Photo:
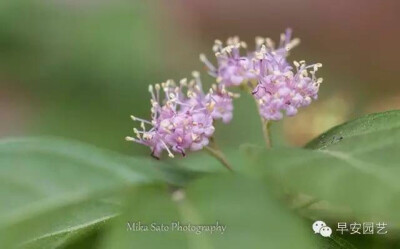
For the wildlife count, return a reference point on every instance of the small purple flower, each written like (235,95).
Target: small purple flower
(272,58)
(233,69)
(223,103)
(218,100)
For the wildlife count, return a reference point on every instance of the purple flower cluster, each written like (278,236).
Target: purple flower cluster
(286,91)
(277,86)
(182,119)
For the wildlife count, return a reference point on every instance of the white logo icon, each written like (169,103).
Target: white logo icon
(321,228)
(318,225)
(325,231)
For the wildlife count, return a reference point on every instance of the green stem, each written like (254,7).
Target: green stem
(219,156)
(264,123)
(265,129)
(266,132)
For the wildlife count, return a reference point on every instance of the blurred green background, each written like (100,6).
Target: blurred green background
(78,69)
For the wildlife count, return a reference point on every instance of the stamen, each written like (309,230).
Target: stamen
(195,74)
(195,137)
(183,82)
(130,139)
(166,147)
(293,43)
(282,40)
(139,119)
(218,42)
(270,43)
(259,41)
(204,59)
(210,106)
(152,92)
(234,95)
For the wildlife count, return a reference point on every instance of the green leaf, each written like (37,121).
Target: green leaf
(65,225)
(334,242)
(244,206)
(368,124)
(357,175)
(52,189)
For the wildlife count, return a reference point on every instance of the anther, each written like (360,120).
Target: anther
(130,139)
(195,74)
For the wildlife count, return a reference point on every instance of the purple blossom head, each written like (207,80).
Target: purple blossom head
(180,120)
(232,69)
(183,118)
(280,88)
(286,91)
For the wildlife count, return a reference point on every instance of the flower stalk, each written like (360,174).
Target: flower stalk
(219,156)
(266,132)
